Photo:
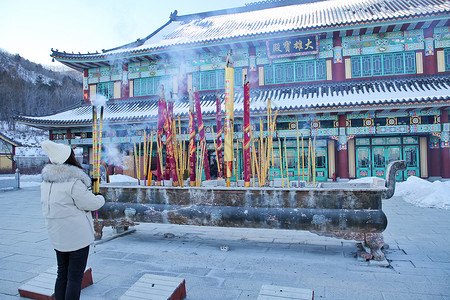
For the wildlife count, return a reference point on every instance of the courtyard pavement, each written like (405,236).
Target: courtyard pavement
(418,256)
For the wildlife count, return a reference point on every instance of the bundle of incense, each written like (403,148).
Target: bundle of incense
(149,177)
(159,147)
(246,142)
(97,130)
(255,158)
(175,148)
(136,162)
(201,132)
(314,162)
(303,161)
(219,138)
(192,161)
(200,160)
(252,150)
(286,161)
(180,154)
(94,149)
(170,155)
(298,155)
(217,154)
(237,161)
(281,162)
(309,159)
(145,156)
(261,152)
(162,112)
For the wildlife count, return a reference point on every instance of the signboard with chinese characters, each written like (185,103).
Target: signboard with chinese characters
(293,46)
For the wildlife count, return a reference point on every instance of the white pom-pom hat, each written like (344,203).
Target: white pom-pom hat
(58,153)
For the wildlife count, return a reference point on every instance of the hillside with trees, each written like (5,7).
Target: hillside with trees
(30,89)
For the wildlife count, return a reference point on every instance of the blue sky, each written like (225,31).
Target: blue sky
(32,27)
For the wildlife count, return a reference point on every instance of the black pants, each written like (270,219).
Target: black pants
(71,266)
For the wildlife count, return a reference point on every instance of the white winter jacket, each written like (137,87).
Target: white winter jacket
(67,204)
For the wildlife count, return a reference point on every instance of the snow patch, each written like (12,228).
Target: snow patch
(423,193)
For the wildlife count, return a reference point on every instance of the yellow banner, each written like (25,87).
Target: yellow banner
(229,114)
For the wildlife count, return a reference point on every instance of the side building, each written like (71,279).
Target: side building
(368,80)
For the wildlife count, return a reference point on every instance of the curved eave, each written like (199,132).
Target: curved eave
(406,103)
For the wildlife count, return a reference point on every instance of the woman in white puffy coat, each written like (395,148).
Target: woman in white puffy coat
(67,203)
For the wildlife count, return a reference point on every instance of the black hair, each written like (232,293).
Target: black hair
(72,160)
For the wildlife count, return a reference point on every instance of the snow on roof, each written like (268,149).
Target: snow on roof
(399,91)
(211,27)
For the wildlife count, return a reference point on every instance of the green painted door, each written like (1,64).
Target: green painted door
(379,161)
(411,155)
(394,153)
(321,164)
(363,162)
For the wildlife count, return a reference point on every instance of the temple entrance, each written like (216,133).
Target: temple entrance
(374,154)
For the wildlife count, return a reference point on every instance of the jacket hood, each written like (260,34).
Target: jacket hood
(64,173)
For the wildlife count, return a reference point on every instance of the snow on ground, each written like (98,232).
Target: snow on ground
(423,193)
(121,178)
(420,192)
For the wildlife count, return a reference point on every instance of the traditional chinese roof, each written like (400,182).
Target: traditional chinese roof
(247,24)
(9,140)
(399,93)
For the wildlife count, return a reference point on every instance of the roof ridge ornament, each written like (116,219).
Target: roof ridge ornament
(173,15)
(229,60)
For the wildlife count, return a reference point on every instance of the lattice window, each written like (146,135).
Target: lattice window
(289,72)
(447,59)
(204,81)
(238,77)
(383,64)
(310,71)
(106,89)
(295,72)
(221,79)
(321,70)
(398,63)
(150,85)
(356,66)
(268,74)
(388,66)
(279,73)
(377,65)
(410,63)
(366,66)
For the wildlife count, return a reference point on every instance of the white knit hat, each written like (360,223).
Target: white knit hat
(58,153)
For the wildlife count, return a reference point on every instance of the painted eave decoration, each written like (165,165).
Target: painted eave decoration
(353,95)
(244,23)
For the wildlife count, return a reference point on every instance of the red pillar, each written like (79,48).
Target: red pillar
(445,153)
(338,65)
(342,150)
(434,164)
(429,62)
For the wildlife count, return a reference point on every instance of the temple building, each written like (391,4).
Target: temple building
(368,80)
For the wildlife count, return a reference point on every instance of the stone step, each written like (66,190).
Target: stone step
(156,287)
(275,292)
(42,287)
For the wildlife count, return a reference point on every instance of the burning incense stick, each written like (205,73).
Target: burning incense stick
(303,161)
(298,156)
(192,152)
(150,175)
(281,162)
(219,138)
(286,161)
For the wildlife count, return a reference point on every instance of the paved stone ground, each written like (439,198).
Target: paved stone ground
(419,257)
